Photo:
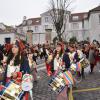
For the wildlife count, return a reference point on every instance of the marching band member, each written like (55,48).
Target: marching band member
(16,63)
(58,58)
(58,63)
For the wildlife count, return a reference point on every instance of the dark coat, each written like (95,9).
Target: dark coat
(66,60)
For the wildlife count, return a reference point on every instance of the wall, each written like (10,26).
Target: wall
(6,35)
(94,26)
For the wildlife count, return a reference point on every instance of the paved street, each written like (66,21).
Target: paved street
(41,91)
(90,82)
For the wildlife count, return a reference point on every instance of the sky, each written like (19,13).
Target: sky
(12,11)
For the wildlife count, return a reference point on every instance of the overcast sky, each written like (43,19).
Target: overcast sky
(12,11)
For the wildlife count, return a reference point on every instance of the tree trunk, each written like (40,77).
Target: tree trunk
(59,37)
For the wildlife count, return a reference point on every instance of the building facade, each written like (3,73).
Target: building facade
(94,24)
(8,34)
(83,26)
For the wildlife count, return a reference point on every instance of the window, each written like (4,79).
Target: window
(85,16)
(46,19)
(75,25)
(7,40)
(29,22)
(24,22)
(21,29)
(36,28)
(46,26)
(75,17)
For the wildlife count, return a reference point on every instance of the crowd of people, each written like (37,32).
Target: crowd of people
(19,58)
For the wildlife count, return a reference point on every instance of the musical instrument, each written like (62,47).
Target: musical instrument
(27,84)
(2,71)
(11,91)
(73,67)
(57,83)
(84,62)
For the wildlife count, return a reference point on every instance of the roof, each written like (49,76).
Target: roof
(31,21)
(95,9)
(75,17)
(36,21)
(8,29)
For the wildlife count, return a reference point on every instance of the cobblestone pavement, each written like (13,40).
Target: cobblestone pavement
(90,81)
(41,91)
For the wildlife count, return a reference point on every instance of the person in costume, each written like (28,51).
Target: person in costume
(58,63)
(49,62)
(32,65)
(58,55)
(17,64)
(92,57)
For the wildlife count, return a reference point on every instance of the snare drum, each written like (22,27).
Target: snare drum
(27,84)
(57,83)
(84,62)
(12,91)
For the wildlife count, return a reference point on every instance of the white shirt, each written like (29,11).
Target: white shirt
(12,69)
(57,63)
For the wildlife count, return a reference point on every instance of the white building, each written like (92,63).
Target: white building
(33,24)
(94,24)
(6,37)
(76,28)
(8,34)
(83,26)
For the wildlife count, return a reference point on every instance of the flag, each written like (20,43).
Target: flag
(68,78)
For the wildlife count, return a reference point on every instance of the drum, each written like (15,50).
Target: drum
(27,84)
(73,67)
(12,91)
(57,83)
(84,62)
(2,71)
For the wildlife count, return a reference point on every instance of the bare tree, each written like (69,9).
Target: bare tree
(58,12)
